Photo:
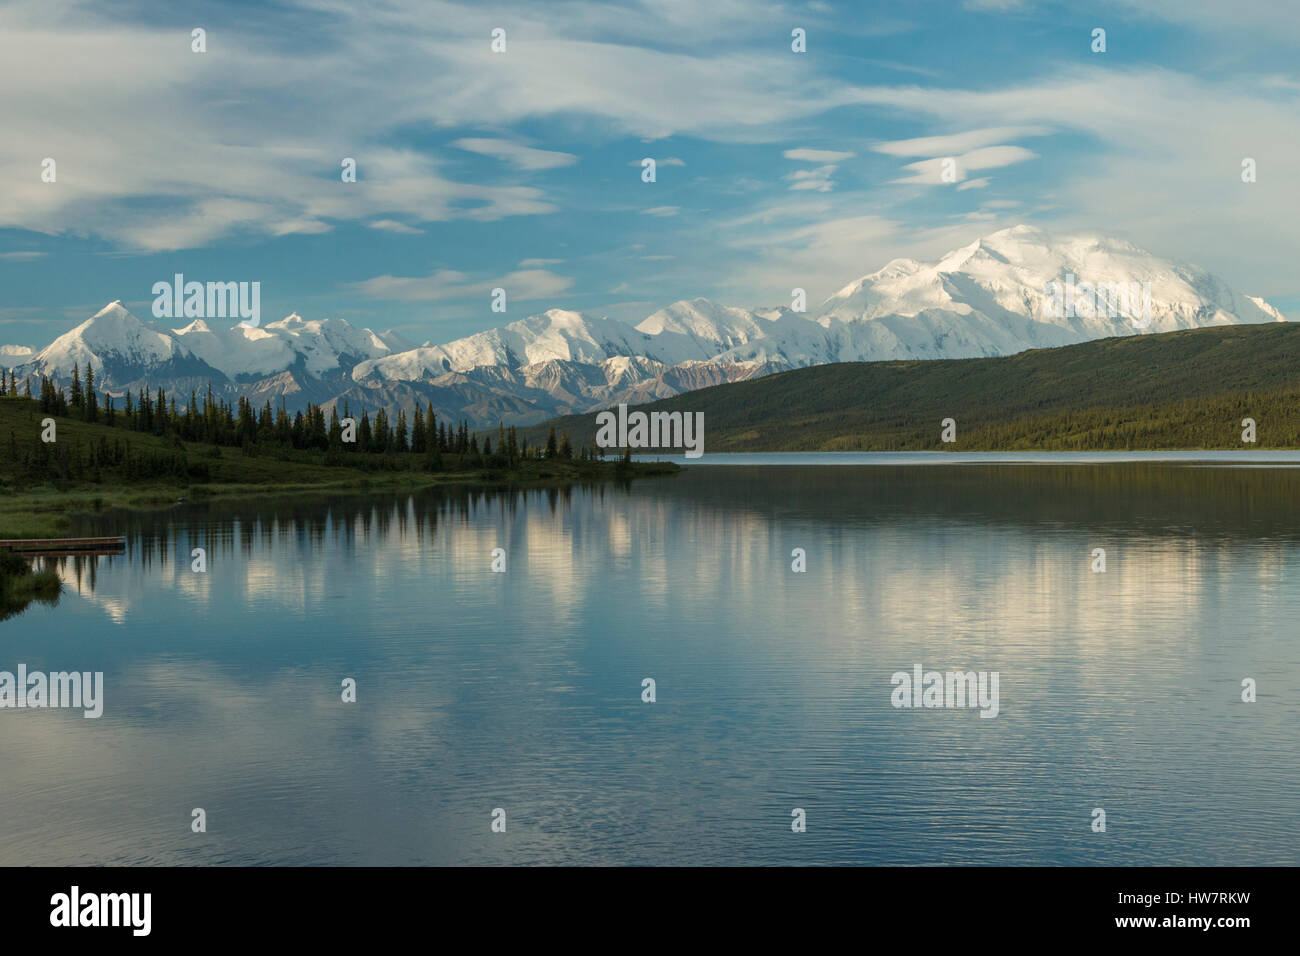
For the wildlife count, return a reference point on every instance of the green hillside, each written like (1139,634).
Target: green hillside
(1177,390)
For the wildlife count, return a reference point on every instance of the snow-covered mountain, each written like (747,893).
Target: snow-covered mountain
(320,347)
(992,297)
(129,353)
(121,347)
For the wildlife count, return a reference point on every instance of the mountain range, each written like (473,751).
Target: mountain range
(989,298)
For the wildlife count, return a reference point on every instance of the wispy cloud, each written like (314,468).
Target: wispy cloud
(445,284)
(524,157)
(930,172)
(817,155)
(954,143)
(817,180)
(392,225)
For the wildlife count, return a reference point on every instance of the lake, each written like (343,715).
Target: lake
(522,690)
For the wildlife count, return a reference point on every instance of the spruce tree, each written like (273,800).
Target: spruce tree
(92,401)
(417,430)
(363,432)
(399,443)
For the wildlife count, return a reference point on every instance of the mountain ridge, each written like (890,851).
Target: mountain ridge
(987,298)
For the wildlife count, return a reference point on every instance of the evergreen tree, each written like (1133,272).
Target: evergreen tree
(551,448)
(363,433)
(92,400)
(283,427)
(400,443)
(417,431)
(336,430)
(76,386)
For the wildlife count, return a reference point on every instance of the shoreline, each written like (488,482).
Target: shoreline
(1262,458)
(50,512)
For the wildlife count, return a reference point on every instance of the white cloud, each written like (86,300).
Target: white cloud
(392,225)
(520,285)
(817,180)
(929,172)
(661,211)
(216,165)
(955,143)
(525,157)
(816,155)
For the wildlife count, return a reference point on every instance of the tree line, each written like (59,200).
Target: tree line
(210,419)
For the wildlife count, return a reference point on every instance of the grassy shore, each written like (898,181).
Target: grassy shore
(42,503)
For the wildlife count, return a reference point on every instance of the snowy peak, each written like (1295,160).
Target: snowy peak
(127,349)
(557,334)
(111,338)
(1009,278)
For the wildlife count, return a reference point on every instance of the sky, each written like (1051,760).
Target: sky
(522,169)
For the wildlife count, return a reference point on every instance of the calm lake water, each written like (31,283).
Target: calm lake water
(523,690)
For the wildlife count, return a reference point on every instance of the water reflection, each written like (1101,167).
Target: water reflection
(522,689)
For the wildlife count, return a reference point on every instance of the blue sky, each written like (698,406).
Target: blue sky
(522,169)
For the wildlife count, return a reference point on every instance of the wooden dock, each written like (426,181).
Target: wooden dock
(64,545)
